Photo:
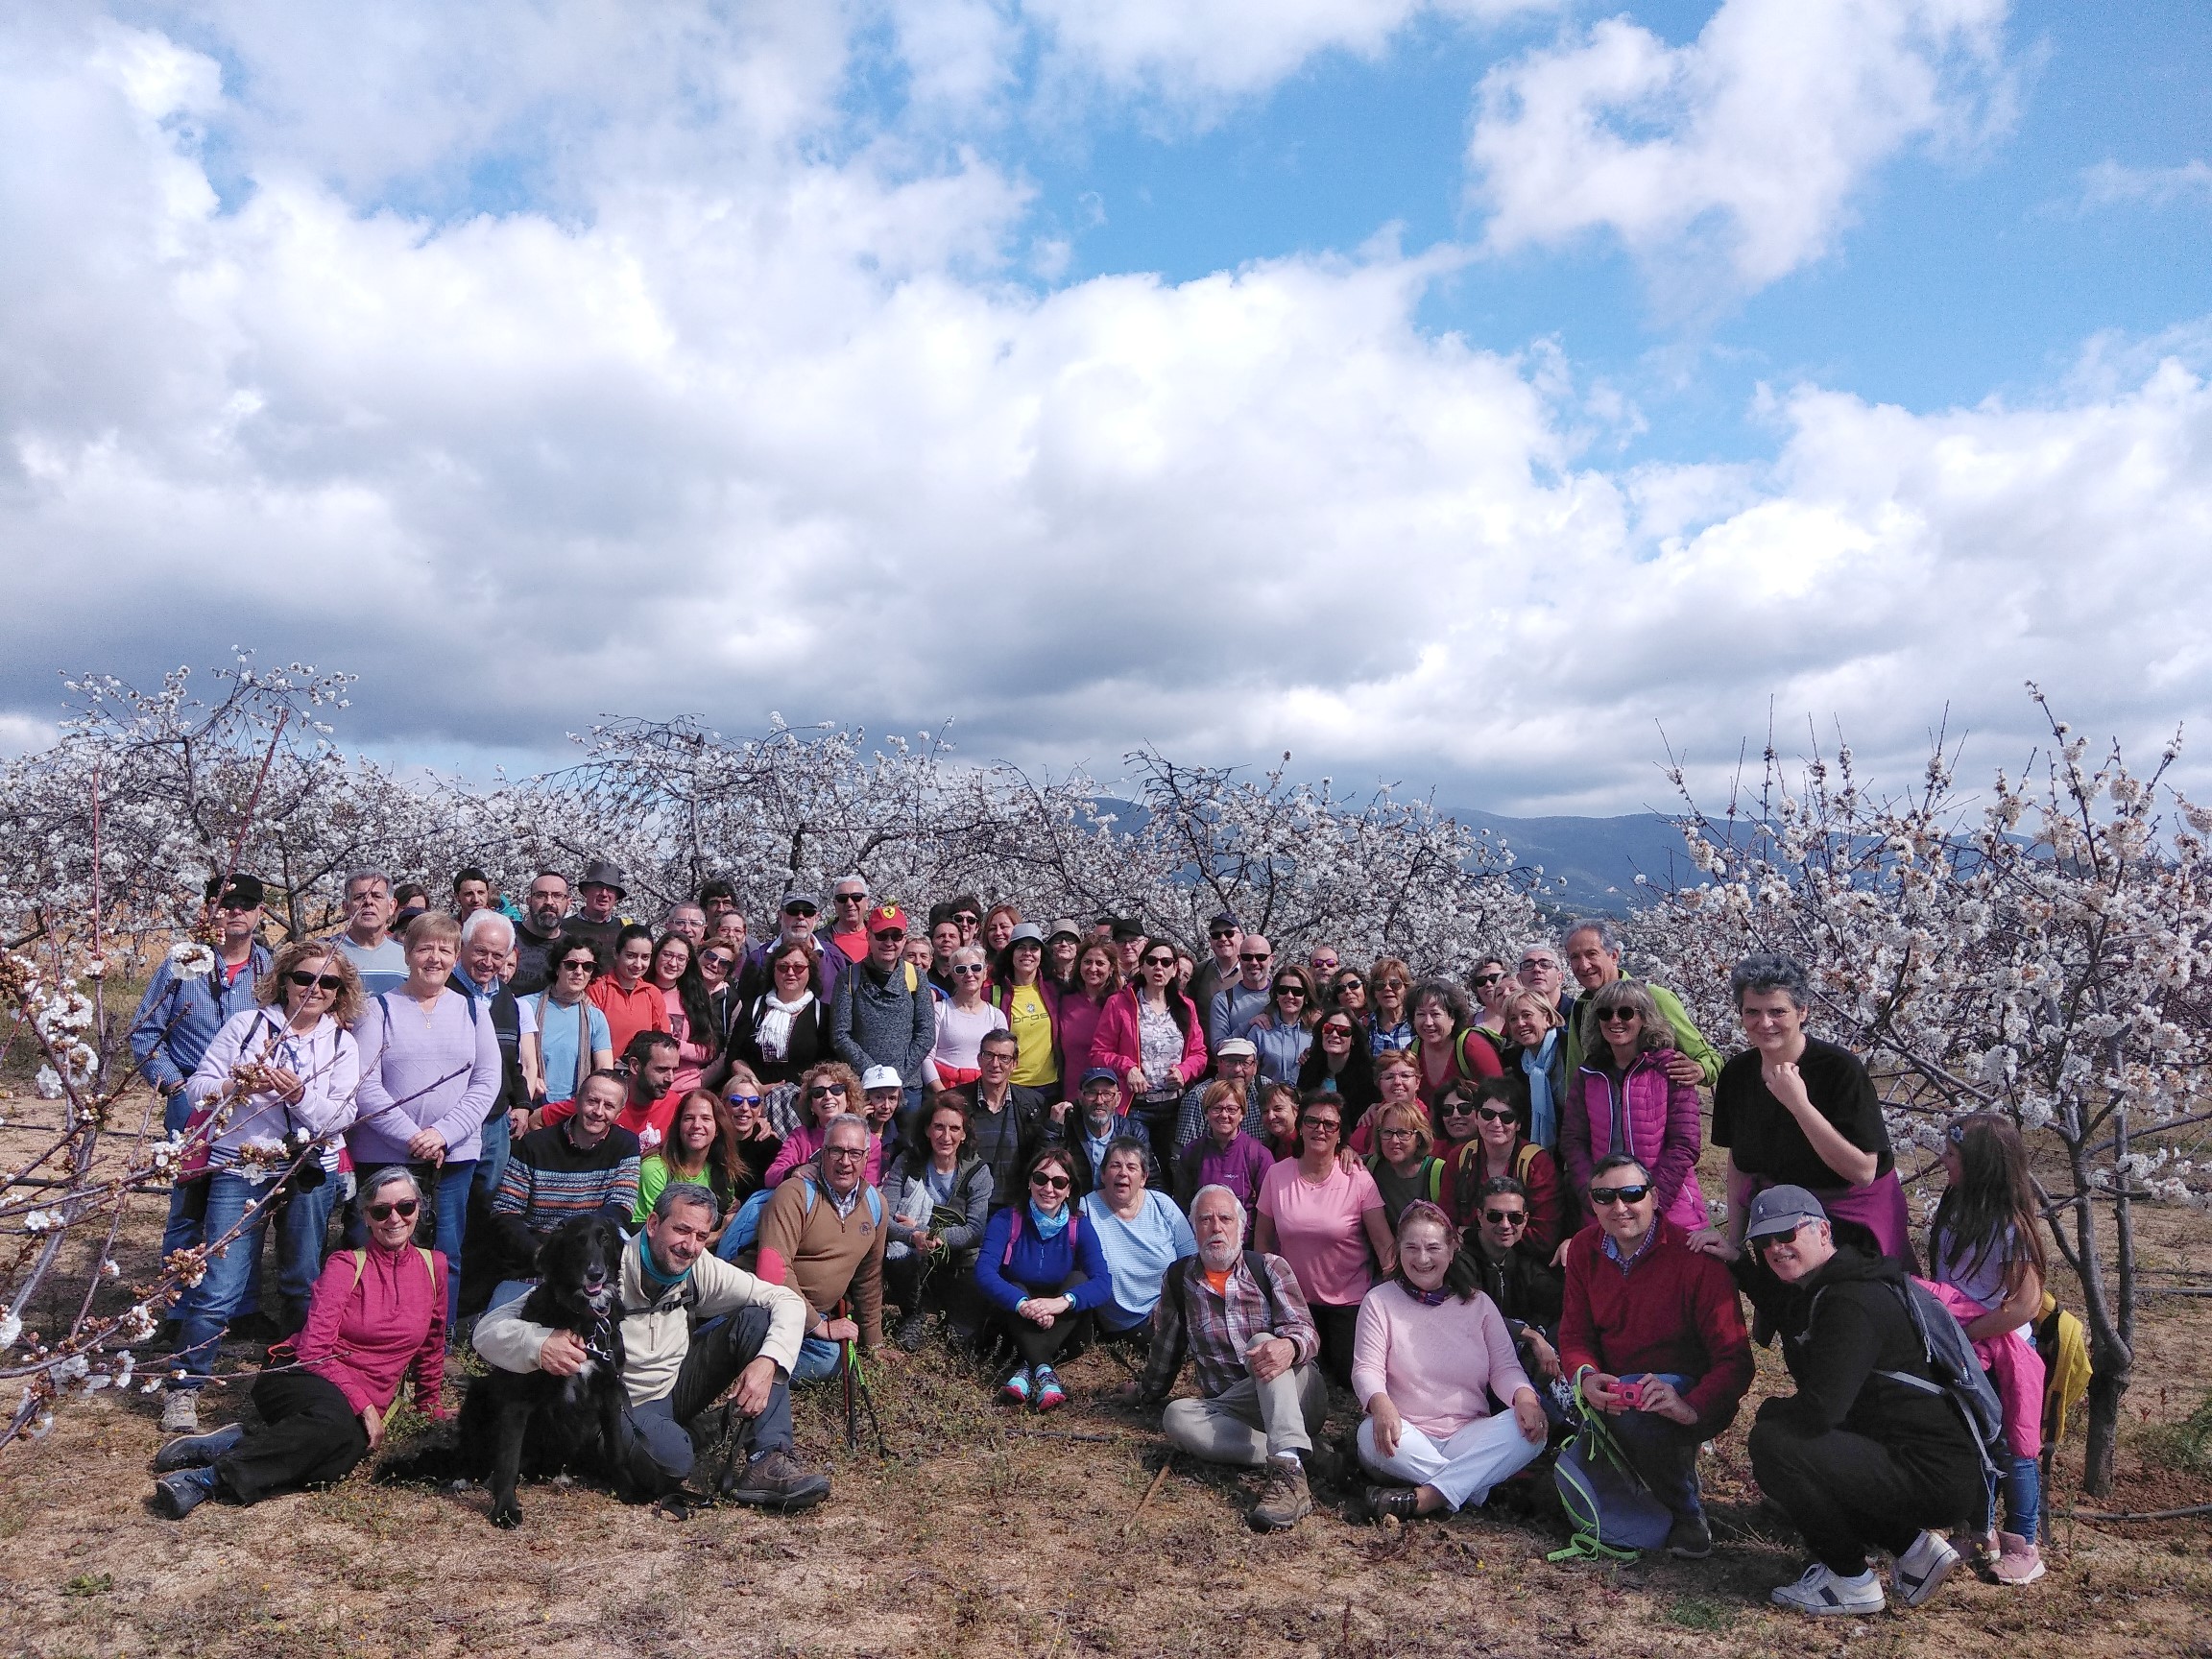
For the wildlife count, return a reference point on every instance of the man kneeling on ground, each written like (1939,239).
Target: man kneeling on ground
(748,1334)
(1243,1321)
(1869,1451)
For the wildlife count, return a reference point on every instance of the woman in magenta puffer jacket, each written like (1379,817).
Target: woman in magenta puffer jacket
(1622,1096)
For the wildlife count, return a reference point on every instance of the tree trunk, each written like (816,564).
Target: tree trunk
(2109,1374)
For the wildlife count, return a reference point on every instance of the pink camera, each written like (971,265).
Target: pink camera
(1629,1394)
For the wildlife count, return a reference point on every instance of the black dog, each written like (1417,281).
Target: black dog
(526,1422)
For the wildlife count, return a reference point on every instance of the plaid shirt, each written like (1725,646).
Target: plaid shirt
(1217,1330)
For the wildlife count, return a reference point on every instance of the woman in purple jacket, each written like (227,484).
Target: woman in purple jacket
(1622,1100)
(429,1073)
(1041,1268)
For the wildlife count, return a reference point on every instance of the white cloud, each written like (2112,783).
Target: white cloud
(2109,183)
(781,431)
(1737,155)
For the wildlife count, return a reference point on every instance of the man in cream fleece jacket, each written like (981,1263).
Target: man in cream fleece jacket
(748,1334)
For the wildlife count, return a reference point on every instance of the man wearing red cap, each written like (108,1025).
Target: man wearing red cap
(881,1012)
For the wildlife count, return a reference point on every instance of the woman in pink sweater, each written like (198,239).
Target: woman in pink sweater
(1428,1352)
(378,1316)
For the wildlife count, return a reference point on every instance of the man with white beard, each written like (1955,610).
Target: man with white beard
(1241,1317)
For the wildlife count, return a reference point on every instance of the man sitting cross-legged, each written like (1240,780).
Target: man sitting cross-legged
(1242,1321)
(748,1334)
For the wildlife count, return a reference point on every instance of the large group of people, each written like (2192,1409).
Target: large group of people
(1472,1211)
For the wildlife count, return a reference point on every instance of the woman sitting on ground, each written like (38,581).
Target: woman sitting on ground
(378,1315)
(1041,1267)
(1141,1232)
(757,1144)
(1431,1350)
(701,1151)
(938,1198)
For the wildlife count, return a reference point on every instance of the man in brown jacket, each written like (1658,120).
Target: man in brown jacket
(824,1233)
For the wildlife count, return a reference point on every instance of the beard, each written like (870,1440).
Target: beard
(1220,1257)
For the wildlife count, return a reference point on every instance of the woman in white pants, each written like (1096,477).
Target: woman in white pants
(1430,1350)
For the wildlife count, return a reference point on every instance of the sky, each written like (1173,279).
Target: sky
(1480,396)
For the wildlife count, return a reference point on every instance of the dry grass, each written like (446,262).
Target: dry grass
(992,1533)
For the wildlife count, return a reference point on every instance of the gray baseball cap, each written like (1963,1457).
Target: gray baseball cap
(1781,1210)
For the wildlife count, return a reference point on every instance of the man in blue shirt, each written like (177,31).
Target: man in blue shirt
(366,942)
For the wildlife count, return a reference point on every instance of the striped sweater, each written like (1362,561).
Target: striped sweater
(550,1181)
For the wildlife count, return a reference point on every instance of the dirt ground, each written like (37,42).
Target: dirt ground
(995,1532)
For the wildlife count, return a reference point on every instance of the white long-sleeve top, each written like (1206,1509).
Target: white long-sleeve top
(326,1061)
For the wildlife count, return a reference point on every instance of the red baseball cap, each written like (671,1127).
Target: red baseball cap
(886,917)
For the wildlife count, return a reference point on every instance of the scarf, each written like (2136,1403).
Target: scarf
(1435,1298)
(656,1281)
(1046,1229)
(1543,1110)
(774,1032)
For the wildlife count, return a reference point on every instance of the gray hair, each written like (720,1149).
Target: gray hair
(1601,925)
(360,876)
(975,953)
(843,1118)
(687,1192)
(487,917)
(854,877)
(1543,947)
(1769,970)
(1235,1202)
(391,1175)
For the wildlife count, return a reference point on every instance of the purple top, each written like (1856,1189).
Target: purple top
(1240,1167)
(439,1071)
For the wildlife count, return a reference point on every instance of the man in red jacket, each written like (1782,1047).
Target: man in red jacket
(1664,1336)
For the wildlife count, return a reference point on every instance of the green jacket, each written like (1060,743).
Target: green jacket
(1688,1039)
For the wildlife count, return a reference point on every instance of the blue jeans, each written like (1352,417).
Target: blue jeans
(448,1203)
(817,1359)
(744,1227)
(187,1199)
(510,1290)
(208,1305)
(301,1232)
(499,1142)
(1665,1452)
(2021,1480)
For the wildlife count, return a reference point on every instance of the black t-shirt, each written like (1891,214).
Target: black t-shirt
(1764,1140)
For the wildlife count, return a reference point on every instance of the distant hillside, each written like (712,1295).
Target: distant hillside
(1598,859)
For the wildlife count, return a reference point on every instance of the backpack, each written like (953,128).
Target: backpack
(1613,1511)
(1171,1284)
(1435,1171)
(1948,1353)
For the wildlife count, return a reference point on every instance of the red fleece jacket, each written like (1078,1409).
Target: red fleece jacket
(1675,1310)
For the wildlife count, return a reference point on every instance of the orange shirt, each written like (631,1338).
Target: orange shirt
(628,1012)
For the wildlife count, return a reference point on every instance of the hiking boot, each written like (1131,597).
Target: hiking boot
(1823,1594)
(175,1495)
(2018,1561)
(1689,1538)
(180,1411)
(1403,1502)
(1049,1393)
(912,1330)
(1016,1387)
(1286,1500)
(197,1450)
(777,1480)
(1921,1570)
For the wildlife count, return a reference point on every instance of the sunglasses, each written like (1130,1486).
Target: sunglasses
(305,980)
(801,910)
(1767,1240)
(404,1208)
(1482,980)
(1455,1109)
(898,935)
(1505,1217)
(716,959)
(851,898)
(967,918)
(1050,1183)
(1254,955)
(1336,1030)
(824,1090)
(1389,984)
(1600,1195)
(747,1100)
(1619,1016)
(1496,1114)
(578,965)
(971,968)
(1227,933)
(240,905)
(1325,964)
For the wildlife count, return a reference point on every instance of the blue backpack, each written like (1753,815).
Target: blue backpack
(806,1180)
(1613,1513)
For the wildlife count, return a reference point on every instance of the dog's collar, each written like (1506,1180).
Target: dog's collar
(600,1342)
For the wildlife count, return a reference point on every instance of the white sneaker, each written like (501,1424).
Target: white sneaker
(180,1411)
(1921,1570)
(1821,1594)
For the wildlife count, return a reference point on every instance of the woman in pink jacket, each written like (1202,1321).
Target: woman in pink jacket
(1622,1100)
(378,1316)
(1151,1036)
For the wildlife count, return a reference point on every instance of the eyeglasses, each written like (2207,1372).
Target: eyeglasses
(969,968)
(1050,1183)
(1618,1017)
(1496,1114)
(304,980)
(404,1208)
(1619,1194)
(1482,980)
(1767,1240)
(1254,955)
(1531,964)
(1397,1131)
(844,1151)
(1505,1217)
(1320,1126)
(745,1100)
(793,963)
(824,1090)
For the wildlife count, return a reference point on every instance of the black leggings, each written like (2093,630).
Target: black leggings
(1038,1344)
(1336,1326)
(310,1438)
